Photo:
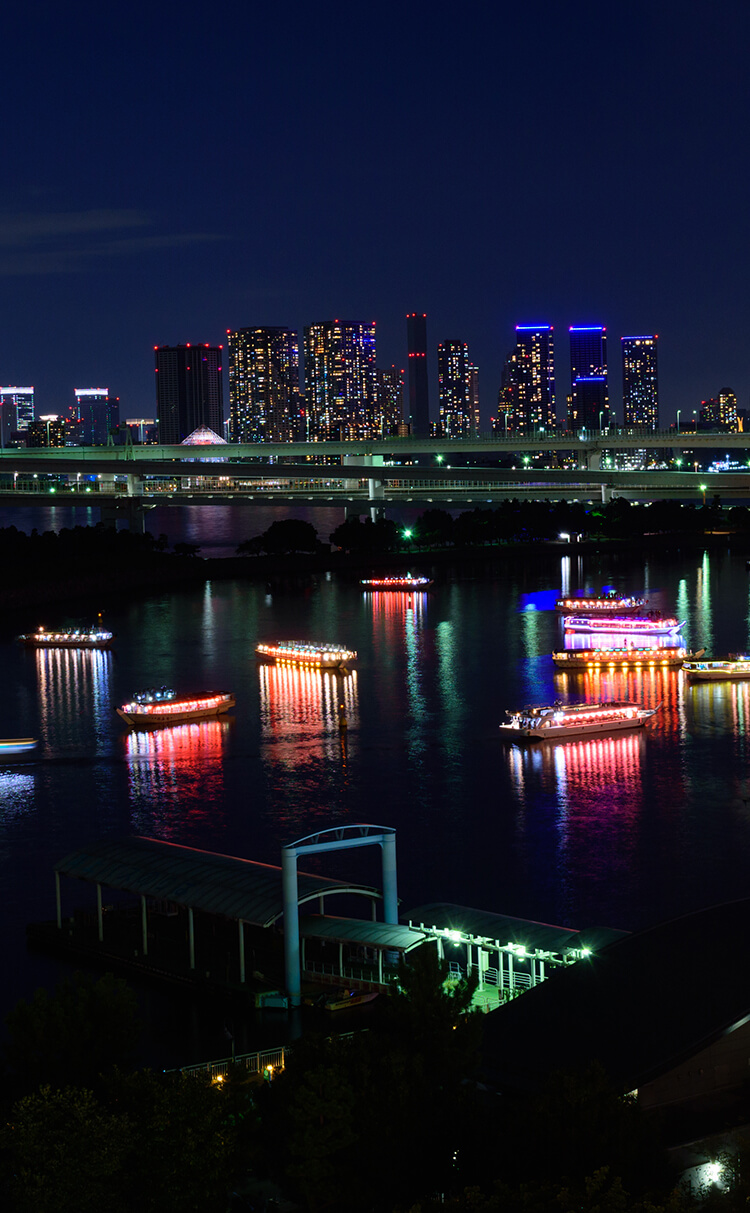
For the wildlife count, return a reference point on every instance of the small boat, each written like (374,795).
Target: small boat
(70,638)
(647,625)
(722,669)
(404,584)
(561,720)
(601,604)
(160,707)
(588,659)
(299,652)
(17,747)
(343,1000)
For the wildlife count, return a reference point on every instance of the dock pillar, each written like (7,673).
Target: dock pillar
(58,903)
(99,919)
(144,925)
(241,926)
(191,937)
(390,892)
(291,926)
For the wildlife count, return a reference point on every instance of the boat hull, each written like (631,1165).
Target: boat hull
(605,607)
(33,642)
(717,671)
(560,733)
(162,718)
(587,659)
(397,586)
(17,748)
(624,627)
(308,656)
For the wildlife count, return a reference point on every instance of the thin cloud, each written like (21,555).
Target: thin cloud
(68,242)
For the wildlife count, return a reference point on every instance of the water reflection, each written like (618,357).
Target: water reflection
(300,711)
(176,774)
(649,686)
(16,795)
(592,765)
(719,706)
(74,696)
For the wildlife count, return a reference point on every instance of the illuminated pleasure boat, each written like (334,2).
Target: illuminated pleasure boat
(562,720)
(647,625)
(17,747)
(300,652)
(722,669)
(601,604)
(161,706)
(406,583)
(646,658)
(70,638)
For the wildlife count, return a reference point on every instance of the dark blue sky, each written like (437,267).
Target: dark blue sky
(174,170)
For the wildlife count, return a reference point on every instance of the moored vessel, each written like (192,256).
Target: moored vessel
(161,706)
(593,658)
(601,604)
(721,669)
(343,1000)
(406,583)
(300,652)
(68,638)
(559,720)
(647,625)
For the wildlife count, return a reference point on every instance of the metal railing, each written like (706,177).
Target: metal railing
(256,1063)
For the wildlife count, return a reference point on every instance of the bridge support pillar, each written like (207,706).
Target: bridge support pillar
(130,511)
(606,493)
(593,459)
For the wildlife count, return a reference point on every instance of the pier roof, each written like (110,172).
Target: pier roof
(359,930)
(217,884)
(484,924)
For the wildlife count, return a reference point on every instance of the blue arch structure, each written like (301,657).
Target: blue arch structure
(338,838)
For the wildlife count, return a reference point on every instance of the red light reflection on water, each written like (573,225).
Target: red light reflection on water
(300,711)
(647,686)
(176,774)
(394,611)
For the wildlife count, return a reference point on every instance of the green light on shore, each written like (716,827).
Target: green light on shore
(406,534)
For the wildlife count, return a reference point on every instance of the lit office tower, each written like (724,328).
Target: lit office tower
(340,385)
(16,412)
(476,420)
(640,382)
(454,389)
(189,390)
(389,409)
(419,400)
(96,415)
(728,410)
(589,399)
(263,384)
(531,374)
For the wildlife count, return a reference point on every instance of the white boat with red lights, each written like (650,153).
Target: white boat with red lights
(561,720)
(404,584)
(160,707)
(300,652)
(722,669)
(601,604)
(647,625)
(68,638)
(645,658)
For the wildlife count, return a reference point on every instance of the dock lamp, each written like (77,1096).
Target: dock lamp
(439,458)
(703,488)
(564,535)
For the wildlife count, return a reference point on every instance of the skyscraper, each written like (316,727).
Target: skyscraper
(589,397)
(263,384)
(640,382)
(96,414)
(476,420)
(340,385)
(454,389)
(389,409)
(419,400)
(528,385)
(16,412)
(189,390)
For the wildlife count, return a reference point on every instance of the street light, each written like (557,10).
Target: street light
(601,414)
(678,420)
(703,488)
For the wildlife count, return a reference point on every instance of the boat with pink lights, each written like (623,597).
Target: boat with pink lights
(403,584)
(300,652)
(639,658)
(722,669)
(68,638)
(160,707)
(647,625)
(601,604)
(561,720)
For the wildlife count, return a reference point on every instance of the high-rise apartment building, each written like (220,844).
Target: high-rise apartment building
(95,415)
(454,390)
(16,413)
(389,408)
(640,382)
(527,392)
(589,396)
(263,384)
(720,412)
(47,430)
(419,399)
(476,420)
(340,384)
(189,390)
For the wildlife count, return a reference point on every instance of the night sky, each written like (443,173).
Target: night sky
(174,170)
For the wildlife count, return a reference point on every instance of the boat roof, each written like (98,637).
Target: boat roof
(204,880)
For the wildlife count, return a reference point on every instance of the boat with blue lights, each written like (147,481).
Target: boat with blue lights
(647,625)
(400,584)
(561,720)
(15,749)
(68,638)
(721,669)
(301,652)
(601,604)
(161,706)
